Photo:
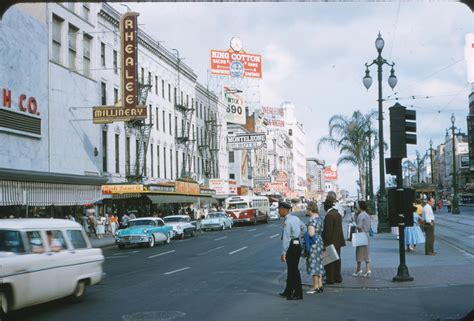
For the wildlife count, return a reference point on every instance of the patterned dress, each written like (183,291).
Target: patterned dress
(314,263)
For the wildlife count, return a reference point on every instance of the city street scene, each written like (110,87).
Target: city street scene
(236,161)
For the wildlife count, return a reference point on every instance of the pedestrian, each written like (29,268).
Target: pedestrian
(125,219)
(314,262)
(332,234)
(440,204)
(132,216)
(363,251)
(113,223)
(429,219)
(85,224)
(413,234)
(100,227)
(93,224)
(293,228)
(448,205)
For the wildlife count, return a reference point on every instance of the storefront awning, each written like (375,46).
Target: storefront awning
(167,198)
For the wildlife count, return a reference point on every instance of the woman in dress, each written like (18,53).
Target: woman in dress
(363,252)
(413,234)
(314,263)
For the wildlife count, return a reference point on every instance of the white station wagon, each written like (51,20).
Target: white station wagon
(43,260)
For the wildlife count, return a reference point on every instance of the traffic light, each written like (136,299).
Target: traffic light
(400,206)
(402,130)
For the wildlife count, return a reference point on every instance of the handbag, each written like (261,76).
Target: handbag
(351,229)
(360,239)
(329,255)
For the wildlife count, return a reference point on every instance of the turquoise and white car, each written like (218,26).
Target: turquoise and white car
(216,221)
(144,231)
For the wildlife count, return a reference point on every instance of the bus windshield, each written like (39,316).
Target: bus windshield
(237,206)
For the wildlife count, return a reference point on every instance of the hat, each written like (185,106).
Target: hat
(284,205)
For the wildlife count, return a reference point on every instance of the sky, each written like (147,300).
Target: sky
(314,54)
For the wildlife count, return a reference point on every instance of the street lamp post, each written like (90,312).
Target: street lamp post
(392,81)
(455,204)
(370,177)
(431,160)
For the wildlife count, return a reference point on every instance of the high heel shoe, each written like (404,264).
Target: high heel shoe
(356,274)
(367,274)
(320,290)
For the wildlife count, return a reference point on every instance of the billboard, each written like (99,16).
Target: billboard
(130,108)
(246,141)
(237,64)
(330,173)
(223,186)
(235,106)
(274,116)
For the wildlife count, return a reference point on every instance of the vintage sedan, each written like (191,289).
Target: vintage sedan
(216,221)
(181,224)
(144,231)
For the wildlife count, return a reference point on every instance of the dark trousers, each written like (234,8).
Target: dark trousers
(429,244)
(293,279)
(333,270)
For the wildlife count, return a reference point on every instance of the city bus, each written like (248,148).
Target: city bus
(248,209)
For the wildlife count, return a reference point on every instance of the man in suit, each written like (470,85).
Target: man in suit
(332,234)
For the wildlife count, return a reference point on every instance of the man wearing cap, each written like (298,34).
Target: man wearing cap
(332,234)
(293,228)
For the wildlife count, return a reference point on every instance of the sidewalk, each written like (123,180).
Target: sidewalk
(107,240)
(449,267)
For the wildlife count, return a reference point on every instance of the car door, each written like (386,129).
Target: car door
(64,270)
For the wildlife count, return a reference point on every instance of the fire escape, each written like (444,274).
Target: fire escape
(209,148)
(142,133)
(183,138)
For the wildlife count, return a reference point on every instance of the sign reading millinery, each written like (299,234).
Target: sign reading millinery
(236,64)
(246,141)
(130,108)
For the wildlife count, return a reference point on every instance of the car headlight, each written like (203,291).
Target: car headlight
(145,231)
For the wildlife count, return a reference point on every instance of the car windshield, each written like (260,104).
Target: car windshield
(175,219)
(141,222)
(236,206)
(10,241)
(215,215)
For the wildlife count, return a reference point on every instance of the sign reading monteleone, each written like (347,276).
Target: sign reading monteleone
(130,108)
(246,141)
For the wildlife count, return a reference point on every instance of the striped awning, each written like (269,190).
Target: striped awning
(47,194)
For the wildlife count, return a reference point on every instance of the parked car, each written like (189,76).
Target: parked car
(144,231)
(43,260)
(216,221)
(181,224)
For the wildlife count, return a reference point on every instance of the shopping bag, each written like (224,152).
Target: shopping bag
(351,229)
(360,239)
(329,255)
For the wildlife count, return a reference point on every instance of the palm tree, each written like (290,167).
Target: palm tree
(350,135)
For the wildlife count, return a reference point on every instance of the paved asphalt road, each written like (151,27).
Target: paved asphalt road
(235,275)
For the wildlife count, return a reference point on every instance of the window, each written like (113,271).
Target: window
(169,118)
(115,62)
(77,239)
(164,161)
(158,161)
(86,10)
(56,241)
(175,96)
(169,92)
(187,100)
(151,159)
(199,165)
(127,155)
(197,135)
(193,133)
(164,118)
(175,126)
(35,241)
(145,172)
(102,54)
(156,85)
(149,78)
(150,114)
(116,95)
(157,119)
(86,54)
(104,150)
(103,93)
(143,76)
(57,39)
(181,100)
(163,89)
(200,110)
(10,241)
(194,163)
(231,157)
(171,163)
(73,31)
(177,164)
(117,153)
(232,176)
(137,147)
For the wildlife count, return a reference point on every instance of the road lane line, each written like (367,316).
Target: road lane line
(211,250)
(179,270)
(252,229)
(116,257)
(150,257)
(135,252)
(274,235)
(220,238)
(258,234)
(242,248)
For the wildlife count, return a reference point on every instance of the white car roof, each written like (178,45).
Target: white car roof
(146,218)
(34,223)
(177,216)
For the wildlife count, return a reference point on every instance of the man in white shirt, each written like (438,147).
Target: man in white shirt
(429,219)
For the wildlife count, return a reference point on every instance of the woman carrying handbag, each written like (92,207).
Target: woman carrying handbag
(363,252)
(314,263)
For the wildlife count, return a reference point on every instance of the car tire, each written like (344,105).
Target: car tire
(3,306)
(79,291)
(151,242)
(223,227)
(182,236)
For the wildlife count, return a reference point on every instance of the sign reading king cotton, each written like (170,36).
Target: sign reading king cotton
(246,141)
(237,64)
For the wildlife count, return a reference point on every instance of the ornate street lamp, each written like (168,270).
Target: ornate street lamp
(392,81)
(455,203)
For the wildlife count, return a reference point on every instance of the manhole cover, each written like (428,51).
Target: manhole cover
(153,316)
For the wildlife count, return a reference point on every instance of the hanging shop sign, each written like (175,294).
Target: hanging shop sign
(246,141)
(232,186)
(130,108)
(330,173)
(464,161)
(235,106)
(274,116)
(237,64)
(119,189)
